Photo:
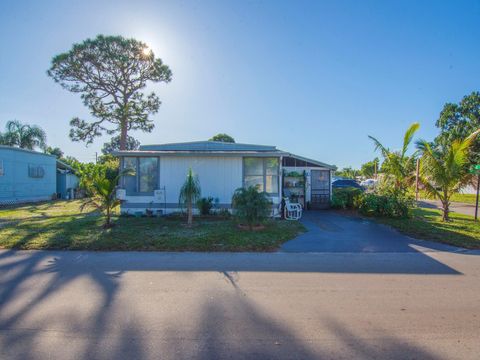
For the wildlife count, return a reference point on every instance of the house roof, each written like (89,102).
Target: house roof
(208,146)
(13,148)
(214,148)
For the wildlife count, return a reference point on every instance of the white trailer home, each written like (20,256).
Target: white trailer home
(160,171)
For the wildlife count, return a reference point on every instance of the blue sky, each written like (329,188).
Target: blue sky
(314,78)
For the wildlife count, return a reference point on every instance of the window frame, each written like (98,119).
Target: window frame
(264,173)
(36,171)
(136,192)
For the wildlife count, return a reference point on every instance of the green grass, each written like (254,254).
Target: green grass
(61,225)
(427,224)
(463,198)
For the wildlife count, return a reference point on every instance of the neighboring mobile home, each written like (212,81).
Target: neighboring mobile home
(160,171)
(26,175)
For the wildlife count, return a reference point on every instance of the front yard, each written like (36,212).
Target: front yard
(61,225)
(426,224)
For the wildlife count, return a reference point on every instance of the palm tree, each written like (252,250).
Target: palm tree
(397,165)
(444,168)
(189,194)
(23,135)
(102,194)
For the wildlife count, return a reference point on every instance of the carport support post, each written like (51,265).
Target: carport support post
(476,202)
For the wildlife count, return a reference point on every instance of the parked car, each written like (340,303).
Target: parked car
(369,183)
(346,183)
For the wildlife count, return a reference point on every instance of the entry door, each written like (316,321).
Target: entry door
(320,189)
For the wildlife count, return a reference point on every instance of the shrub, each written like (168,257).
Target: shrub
(204,205)
(383,205)
(344,198)
(251,206)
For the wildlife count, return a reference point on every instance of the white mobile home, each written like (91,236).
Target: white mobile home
(160,171)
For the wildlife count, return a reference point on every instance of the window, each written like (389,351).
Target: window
(261,173)
(146,174)
(2,171)
(35,171)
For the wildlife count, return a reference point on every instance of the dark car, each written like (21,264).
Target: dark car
(346,183)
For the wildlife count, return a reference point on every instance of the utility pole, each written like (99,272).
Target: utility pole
(96,157)
(416,179)
(476,201)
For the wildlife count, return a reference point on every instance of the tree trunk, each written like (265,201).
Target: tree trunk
(446,210)
(107,221)
(190,213)
(123,136)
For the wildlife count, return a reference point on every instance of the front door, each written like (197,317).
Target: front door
(320,189)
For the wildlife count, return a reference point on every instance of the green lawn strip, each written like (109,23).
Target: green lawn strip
(462,198)
(46,226)
(427,224)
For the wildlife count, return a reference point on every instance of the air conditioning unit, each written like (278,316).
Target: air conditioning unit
(121,194)
(159,195)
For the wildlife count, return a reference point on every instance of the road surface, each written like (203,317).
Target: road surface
(132,305)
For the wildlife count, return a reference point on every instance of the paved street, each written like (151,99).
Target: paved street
(461,208)
(85,305)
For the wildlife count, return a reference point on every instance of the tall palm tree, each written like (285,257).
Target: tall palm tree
(189,194)
(444,169)
(23,135)
(397,165)
(102,189)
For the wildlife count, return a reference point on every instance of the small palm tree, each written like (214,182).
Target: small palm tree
(251,206)
(102,194)
(397,165)
(444,168)
(189,194)
(23,135)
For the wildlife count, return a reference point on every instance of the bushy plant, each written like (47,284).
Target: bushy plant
(393,206)
(205,205)
(344,198)
(251,206)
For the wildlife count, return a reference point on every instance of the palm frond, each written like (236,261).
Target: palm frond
(407,138)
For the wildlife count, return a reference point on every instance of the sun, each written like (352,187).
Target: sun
(147,51)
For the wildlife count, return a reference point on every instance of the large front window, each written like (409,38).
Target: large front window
(146,174)
(261,173)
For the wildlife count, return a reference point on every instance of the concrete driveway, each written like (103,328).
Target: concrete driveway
(329,231)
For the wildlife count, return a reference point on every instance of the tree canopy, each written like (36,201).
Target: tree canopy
(110,73)
(222,138)
(54,151)
(23,136)
(458,121)
(114,144)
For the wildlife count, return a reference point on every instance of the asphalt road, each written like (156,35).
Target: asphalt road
(85,305)
(461,208)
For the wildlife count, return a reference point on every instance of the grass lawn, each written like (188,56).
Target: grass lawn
(61,225)
(463,198)
(427,224)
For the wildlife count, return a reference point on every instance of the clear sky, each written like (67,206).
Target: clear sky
(314,78)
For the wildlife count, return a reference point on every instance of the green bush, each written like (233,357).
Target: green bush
(344,198)
(251,206)
(204,205)
(383,205)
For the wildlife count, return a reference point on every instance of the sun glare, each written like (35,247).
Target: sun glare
(147,51)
